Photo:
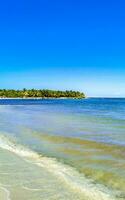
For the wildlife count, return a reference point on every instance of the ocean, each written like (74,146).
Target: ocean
(62,149)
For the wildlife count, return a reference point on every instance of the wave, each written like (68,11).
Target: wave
(6,192)
(68,175)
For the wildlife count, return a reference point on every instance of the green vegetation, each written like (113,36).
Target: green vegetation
(33,93)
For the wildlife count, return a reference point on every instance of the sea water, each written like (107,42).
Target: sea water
(62,149)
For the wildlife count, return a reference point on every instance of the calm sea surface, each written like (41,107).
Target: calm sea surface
(62,149)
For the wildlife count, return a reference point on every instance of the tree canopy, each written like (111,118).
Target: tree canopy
(44,93)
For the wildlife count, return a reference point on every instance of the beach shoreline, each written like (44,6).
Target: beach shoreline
(23,98)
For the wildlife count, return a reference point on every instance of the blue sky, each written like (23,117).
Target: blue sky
(66,44)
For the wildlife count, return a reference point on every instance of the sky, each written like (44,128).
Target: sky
(63,44)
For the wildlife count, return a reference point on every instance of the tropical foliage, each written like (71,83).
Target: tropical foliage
(25,93)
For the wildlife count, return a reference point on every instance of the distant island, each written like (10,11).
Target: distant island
(44,93)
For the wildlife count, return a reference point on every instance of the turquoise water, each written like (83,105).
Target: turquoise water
(70,149)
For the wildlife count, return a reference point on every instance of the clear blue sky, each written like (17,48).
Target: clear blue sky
(63,44)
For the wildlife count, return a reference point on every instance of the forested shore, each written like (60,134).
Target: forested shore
(44,93)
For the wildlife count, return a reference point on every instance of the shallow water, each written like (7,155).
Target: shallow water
(72,148)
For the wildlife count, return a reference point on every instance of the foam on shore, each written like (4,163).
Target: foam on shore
(5,194)
(67,175)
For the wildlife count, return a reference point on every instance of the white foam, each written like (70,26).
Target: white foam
(31,189)
(66,174)
(7,192)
